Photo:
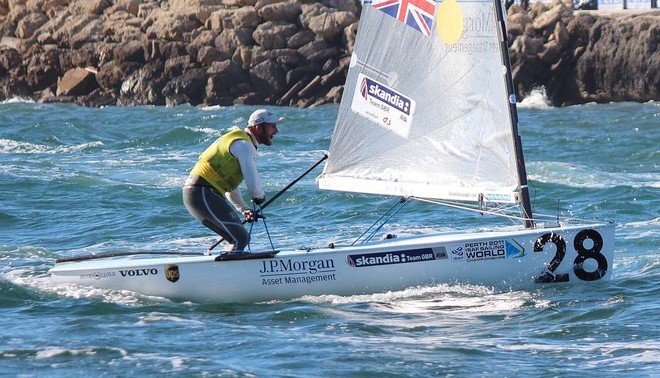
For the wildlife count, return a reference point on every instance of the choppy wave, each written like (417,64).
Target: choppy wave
(536,99)
(580,176)
(77,196)
(17,100)
(16,147)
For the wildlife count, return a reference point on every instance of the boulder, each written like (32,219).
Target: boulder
(110,76)
(43,70)
(172,27)
(268,78)
(325,22)
(177,66)
(274,34)
(129,6)
(131,51)
(88,7)
(92,32)
(285,11)
(300,39)
(143,86)
(617,52)
(246,17)
(77,82)
(29,24)
(231,39)
(44,35)
(189,86)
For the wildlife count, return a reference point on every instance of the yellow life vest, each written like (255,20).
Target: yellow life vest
(218,166)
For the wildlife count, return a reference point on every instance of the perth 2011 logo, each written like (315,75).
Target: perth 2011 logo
(486,250)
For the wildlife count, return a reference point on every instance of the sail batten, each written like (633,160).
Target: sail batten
(424,115)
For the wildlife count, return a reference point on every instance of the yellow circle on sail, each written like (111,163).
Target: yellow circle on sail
(449,21)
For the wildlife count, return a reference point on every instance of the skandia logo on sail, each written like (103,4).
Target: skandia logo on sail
(370,88)
(387,258)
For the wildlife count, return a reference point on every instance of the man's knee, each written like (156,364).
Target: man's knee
(235,235)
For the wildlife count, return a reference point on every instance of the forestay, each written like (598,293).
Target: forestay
(425,110)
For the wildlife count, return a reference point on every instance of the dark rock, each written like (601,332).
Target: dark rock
(177,66)
(131,51)
(326,23)
(231,39)
(9,59)
(269,78)
(144,86)
(617,52)
(111,75)
(274,34)
(224,79)
(91,7)
(281,11)
(189,85)
(44,69)
(172,27)
(29,24)
(96,99)
(300,39)
(169,50)
(252,98)
(207,55)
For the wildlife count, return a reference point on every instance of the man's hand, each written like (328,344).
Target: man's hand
(258,201)
(252,216)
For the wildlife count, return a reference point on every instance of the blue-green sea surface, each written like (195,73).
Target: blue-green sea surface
(79,180)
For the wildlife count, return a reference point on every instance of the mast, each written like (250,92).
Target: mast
(525,204)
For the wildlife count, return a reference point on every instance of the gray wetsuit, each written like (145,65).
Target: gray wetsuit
(214,211)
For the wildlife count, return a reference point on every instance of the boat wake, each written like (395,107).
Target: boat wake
(24,270)
(442,299)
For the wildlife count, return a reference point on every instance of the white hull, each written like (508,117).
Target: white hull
(504,259)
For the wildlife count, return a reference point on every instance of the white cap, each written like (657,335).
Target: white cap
(263,115)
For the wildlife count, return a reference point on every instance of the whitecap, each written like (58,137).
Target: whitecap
(17,100)
(537,99)
(16,147)
(581,176)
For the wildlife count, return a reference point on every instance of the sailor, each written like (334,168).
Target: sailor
(213,182)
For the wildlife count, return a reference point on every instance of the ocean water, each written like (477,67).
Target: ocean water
(77,180)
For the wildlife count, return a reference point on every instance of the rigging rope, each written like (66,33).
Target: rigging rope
(399,205)
(260,211)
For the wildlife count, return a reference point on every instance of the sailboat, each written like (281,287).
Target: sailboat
(428,114)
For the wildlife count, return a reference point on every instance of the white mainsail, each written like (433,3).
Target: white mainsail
(425,111)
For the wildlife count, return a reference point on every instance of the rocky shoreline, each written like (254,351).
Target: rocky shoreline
(289,53)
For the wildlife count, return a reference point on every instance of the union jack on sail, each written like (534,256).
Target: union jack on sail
(416,13)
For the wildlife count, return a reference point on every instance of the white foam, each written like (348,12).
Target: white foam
(440,299)
(56,352)
(12,146)
(156,317)
(581,176)
(537,99)
(17,100)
